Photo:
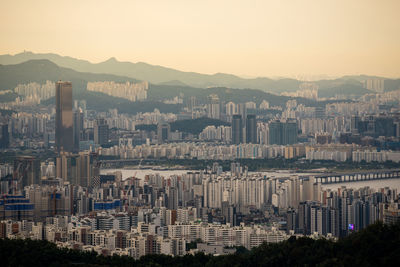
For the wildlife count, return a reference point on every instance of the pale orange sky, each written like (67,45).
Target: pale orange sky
(255,38)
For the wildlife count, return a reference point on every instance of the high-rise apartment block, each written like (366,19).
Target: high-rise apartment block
(213,107)
(77,169)
(26,171)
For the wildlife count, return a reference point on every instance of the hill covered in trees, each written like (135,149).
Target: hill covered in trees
(193,126)
(377,245)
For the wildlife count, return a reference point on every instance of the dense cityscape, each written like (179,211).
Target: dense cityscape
(72,200)
(289,157)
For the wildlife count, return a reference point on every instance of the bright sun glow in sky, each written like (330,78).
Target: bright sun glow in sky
(255,38)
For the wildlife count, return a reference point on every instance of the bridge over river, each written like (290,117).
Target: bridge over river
(345,177)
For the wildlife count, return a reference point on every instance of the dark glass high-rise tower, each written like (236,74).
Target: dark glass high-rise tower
(101,132)
(64,121)
(5,136)
(237,129)
(251,129)
(282,132)
(78,127)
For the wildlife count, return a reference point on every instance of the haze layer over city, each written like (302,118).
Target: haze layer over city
(179,133)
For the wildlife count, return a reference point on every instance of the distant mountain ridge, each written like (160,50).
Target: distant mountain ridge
(143,71)
(167,76)
(41,70)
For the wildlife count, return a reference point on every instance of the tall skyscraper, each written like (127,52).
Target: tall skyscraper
(173,203)
(237,129)
(282,133)
(101,132)
(242,111)
(163,132)
(251,129)
(64,121)
(78,127)
(289,133)
(5,136)
(384,126)
(354,124)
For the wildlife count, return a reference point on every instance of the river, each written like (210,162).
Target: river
(141,173)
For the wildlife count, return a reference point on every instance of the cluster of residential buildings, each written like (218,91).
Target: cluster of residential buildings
(135,217)
(131,91)
(34,93)
(343,211)
(306,90)
(65,199)
(372,122)
(221,151)
(119,233)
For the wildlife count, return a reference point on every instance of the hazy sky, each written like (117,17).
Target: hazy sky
(255,38)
